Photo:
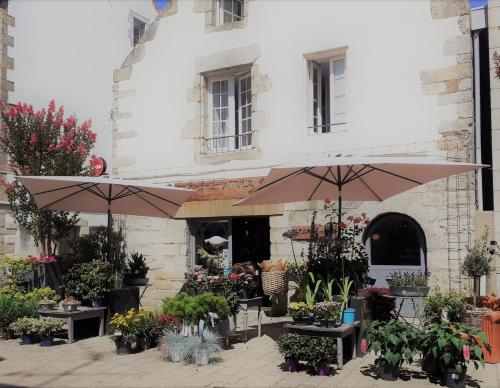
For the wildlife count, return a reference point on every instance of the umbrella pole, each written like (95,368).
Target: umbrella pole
(110,224)
(339,231)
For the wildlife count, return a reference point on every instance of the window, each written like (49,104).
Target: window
(227,11)
(230,113)
(327,99)
(139,28)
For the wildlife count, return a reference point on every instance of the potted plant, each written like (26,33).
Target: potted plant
(137,270)
(126,329)
(300,313)
(452,346)
(292,346)
(24,328)
(393,342)
(88,282)
(348,314)
(46,328)
(46,304)
(204,348)
(320,353)
(70,304)
(408,284)
(177,347)
(328,313)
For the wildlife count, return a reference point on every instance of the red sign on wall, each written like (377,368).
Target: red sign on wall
(98,165)
(222,189)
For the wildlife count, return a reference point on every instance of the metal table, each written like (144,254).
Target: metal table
(80,314)
(245,304)
(340,332)
(397,310)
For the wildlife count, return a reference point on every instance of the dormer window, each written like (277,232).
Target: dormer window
(227,11)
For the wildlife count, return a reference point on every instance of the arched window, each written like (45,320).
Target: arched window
(395,242)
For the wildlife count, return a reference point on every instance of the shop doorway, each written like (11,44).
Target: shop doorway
(251,239)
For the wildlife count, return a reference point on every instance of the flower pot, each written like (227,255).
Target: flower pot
(176,355)
(131,281)
(348,316)
(322,370)
(291,364)
(27,340)
(69,307)
(224,327)
(202,357)
(409,291)
(47,306)
(430,365)
(387,371)
(46,342)
(96,303)
(116,282)
(301,321)
(453,379)
(121,347)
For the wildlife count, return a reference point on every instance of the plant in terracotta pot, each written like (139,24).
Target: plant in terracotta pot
(137,270)
(451,347)
(292,346)
(393,342)
(24,328)
(46,328)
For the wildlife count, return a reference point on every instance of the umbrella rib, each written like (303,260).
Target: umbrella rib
(103,196)
(153,195)
(125,192)
(319,184)
(58,189)
(70,195)
(359,174)
(319,177)
(345,179)
(152,204)
(296,172)
(396,175)
(368,187)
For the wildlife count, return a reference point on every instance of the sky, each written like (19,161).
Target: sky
(161,3)
(477,3)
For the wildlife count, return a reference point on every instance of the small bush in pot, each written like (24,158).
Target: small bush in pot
(88,281)
(444,306)
(300,312)
(46,328)
(137,270)
(70,304)
(320,352)
(393,342)
(127,331)
(328,313)
(13,307)
(450,347)
(205,347)
(25,329)
(292,348)
(408,284)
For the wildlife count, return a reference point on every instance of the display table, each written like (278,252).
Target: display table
(340,332)
(80,314)
(245,305)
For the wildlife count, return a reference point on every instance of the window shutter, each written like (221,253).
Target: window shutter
(315,95)
(338,98)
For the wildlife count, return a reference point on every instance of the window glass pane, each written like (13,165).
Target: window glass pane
(224,100)
(216,114)
(237,9)
(223,87)
(339,67)
(228,18)
(339,105)
(395,241)
(227,5)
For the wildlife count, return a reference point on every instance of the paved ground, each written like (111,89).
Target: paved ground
(92,363)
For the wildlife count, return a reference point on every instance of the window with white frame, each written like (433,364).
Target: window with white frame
(230,113)
(227,11)
(327,94)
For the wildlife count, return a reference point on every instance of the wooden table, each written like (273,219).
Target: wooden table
(80,314)
(340,332)
(245,304)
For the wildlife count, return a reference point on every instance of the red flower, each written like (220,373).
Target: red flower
(367,222)
(234,276)
(350,218)
(33,139)
(41,259)
(363,214)
(328,201)
(466,352)
(363,345)
(342,225)
(357,220)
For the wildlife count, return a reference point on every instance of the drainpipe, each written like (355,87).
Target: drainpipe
(477,116)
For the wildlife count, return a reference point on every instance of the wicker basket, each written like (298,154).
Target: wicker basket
(274,282)
(474,317)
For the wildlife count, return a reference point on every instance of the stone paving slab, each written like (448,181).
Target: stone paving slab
(93,363)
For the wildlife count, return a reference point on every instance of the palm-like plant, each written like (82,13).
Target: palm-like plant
(312,289)
(327,288)
(345,290)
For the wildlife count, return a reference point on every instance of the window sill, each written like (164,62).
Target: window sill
(227,27)
(334,128)
(223,157)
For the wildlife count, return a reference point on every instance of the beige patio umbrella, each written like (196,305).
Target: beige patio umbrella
(350,178)
(103,195)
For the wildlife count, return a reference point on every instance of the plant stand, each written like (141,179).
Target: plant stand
(245,305)
(415,301)
(340,332)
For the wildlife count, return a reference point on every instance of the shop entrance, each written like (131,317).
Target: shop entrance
(251,240)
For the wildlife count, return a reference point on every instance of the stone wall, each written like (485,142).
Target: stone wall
(7,227)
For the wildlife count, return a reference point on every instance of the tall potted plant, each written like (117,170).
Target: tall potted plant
(393,342)
(348,314)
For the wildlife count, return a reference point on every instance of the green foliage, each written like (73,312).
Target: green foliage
(346,257)
(47,327)
(345,291)
(406,279)
(444,344)
(87,281)
(194,308)
(24,326)
(13,307)
(315,350)
(312,289)
(439,307)
(16,269)
(292,345)
(94,247)
(43,143)
(394,341)
(477,262)
(327,288)
(137,265)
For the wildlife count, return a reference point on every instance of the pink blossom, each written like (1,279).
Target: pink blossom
(234,276)
(363,345)
(33,139)
(41,259)
(466,352)
(52,105)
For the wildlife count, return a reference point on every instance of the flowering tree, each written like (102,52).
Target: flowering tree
(43,143)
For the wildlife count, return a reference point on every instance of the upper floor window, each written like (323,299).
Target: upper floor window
(327,94)
(139,28)
(229,113)
(227,11)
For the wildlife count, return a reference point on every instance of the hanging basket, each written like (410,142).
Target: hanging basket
(274,282)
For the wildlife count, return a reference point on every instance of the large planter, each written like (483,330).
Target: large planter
(139,282)
(291,364)
(274,282)
(474,317)
(322,370)
(409,291)
(224,327)
(453,379)
(47,342)
(491,327)
(387,371)
(26,340)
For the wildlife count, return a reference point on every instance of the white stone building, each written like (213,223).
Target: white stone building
(67,51)
(219,91)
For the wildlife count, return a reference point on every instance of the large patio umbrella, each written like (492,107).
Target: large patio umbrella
(105,195)
(350,178)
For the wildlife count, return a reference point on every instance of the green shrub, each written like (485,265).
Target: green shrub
(194,308)
(292,345)
(13,307)
(315,350)
(440,306)
(88,281)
